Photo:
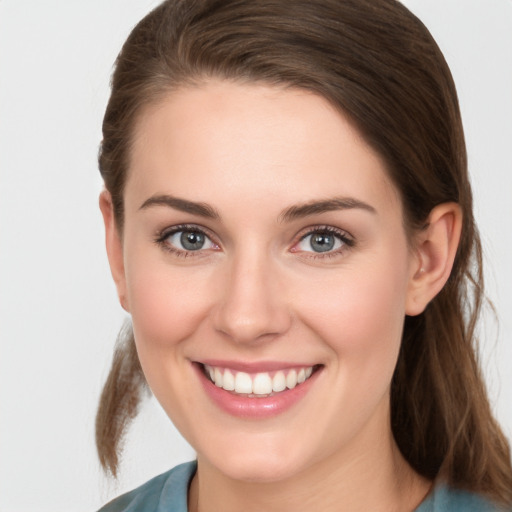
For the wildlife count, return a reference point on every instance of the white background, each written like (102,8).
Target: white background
(58,311)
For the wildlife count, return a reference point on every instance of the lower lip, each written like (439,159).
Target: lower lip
(254,407)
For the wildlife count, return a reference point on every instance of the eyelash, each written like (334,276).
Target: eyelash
(162,237)
(346,240)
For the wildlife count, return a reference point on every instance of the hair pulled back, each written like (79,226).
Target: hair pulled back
(379,65)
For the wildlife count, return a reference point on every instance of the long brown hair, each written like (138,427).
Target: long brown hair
(379,65)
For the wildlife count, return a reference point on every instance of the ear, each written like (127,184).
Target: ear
(114,247)
(435,250)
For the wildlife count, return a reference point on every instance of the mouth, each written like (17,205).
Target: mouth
(260,384)
(256,391)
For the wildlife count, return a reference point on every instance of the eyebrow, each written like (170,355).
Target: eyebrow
(201,209)
(328,205)
(292,213)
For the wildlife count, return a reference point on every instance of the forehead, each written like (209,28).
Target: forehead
(223,138)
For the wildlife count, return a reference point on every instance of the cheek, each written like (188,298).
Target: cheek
(359,312)
(166,303)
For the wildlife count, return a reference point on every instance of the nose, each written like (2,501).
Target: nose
(252,305)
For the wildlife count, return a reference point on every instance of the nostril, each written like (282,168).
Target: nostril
(250,306)
(257,325)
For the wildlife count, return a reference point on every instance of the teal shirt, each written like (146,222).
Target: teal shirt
(168,493)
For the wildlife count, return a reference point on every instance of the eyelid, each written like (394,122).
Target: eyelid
(348,241)
(163,234)
(346,238)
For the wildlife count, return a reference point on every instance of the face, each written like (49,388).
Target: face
(267,271)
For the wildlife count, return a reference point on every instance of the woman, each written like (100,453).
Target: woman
(289,223)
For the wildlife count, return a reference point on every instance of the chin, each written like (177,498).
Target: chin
(259,471)
(261,465)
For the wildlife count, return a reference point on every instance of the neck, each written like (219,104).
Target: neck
(368,476)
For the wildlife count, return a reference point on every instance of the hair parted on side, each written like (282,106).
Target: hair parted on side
(379,65)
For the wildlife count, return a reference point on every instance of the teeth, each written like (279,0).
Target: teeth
(279,382)
(243,383)
(291,379)
(218,377)
(228,382)
(259,384)
(262,384)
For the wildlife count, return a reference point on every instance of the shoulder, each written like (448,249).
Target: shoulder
(447,499)
(166,492)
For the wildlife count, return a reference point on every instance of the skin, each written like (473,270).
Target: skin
(258,291)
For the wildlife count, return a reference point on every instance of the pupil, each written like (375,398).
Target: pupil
(191,240)
(322,242)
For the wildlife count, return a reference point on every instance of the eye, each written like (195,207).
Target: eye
(186,239)
(323,240)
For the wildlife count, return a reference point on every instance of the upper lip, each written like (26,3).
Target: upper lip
(254,366)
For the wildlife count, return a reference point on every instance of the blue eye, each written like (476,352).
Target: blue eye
(323,241)
(187,240)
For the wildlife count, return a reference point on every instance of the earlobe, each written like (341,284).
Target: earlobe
(435,251)
(114,247)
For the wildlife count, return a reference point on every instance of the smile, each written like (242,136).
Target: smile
(262,384)
(256,391)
